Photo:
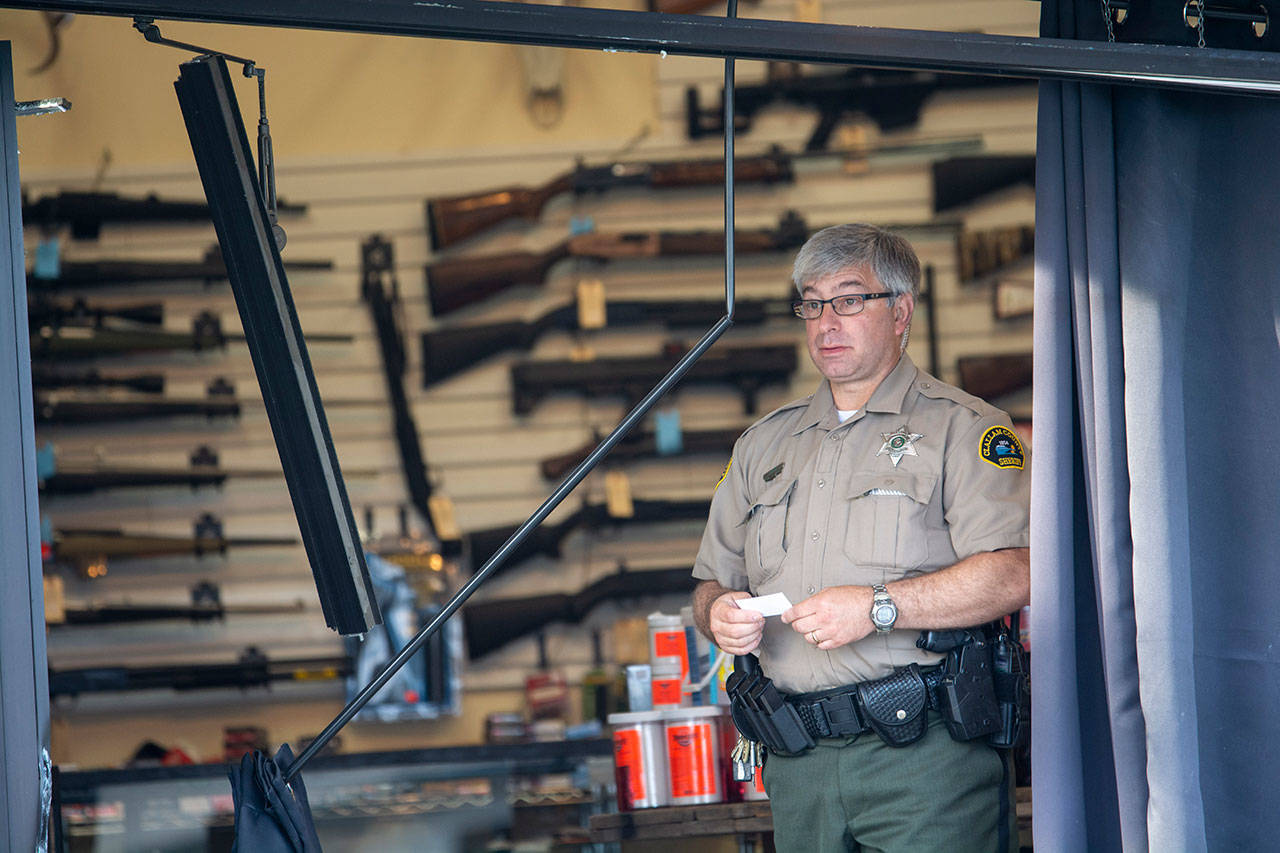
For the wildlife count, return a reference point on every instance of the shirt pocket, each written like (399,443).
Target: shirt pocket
(886,514)
(766,534)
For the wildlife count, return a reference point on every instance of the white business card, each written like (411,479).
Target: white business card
(768,605)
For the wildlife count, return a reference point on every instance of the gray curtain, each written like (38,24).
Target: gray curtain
(1155,613)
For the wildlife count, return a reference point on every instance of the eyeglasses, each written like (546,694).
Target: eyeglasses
(845,306)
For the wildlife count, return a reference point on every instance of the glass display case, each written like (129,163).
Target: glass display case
(527,796)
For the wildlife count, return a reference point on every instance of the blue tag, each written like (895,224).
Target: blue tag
(581,225)
(46,530)
(667,436)
(46,462)
(48,259)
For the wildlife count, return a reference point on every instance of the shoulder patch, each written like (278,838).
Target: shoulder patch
(1001,448)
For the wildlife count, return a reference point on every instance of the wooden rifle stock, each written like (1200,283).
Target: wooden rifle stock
(983,252)
(990,376)
(453,219)
(489,625)
(454,283)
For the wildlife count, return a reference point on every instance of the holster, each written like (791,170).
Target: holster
(761,713)
(894,706)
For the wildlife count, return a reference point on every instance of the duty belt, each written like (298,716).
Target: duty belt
(837,712)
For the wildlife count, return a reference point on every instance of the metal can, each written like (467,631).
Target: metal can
(639,760)
(693,756)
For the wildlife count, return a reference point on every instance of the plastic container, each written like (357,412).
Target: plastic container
(640,760)
(694,771)
(667,641)
(639,687)
(667,685)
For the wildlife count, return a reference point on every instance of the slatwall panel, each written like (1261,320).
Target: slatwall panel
(480,455)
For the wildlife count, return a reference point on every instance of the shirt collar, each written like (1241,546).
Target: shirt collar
(889,396)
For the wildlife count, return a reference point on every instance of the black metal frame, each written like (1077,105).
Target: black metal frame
(271,329)
(24,670)
(1165,66)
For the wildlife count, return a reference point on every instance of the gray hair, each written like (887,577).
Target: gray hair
(839,247)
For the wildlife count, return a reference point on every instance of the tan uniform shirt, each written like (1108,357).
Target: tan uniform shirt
(808,502)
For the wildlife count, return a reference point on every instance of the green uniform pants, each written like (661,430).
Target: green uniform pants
(935,795)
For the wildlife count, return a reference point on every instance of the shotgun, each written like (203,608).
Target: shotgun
(46,311)
(991,376)
(78,275)
(90,549)
(56,478)
(72,341)
(46,377)
(450,220)
(251,669)
(644,444)
(454,283)
(547,539)
(448,351)
(53,407)
(206,605)
(490,625)
(891,98)
(87,212)
(747,367)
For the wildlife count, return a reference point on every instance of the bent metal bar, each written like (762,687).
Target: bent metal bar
(1162,66)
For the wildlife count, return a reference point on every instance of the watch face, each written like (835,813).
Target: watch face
(884,614)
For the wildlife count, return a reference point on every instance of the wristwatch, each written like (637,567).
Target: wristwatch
(883,611)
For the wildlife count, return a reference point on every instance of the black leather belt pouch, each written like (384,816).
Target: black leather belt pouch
(894,706)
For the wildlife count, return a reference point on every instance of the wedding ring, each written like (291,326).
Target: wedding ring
(813,635)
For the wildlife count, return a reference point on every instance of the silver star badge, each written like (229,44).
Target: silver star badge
(898,444)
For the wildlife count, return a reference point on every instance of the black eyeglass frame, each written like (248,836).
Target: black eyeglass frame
(858,299)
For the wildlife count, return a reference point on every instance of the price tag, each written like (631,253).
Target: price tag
(808,11)
(55,601)
(442,518)
(591,304)
(48,263)
(667,435)
(617,493)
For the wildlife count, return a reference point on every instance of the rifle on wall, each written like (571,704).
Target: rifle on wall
(450,220)
(54,407)
(448,351)
(90,548)
(991,376)
(643,444)
(46,311)
(79,275)
(87,212)
(454,283)
(748,367)
(489,625)
(56,478)
(73,341)
(892,99)
(548,538)
(251,669)
(46,377)
(205,606)
(959,181)
(981,253)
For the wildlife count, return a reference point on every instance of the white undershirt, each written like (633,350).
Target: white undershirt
(845,414)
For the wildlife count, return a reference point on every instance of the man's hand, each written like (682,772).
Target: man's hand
(836,616)
(735,630)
